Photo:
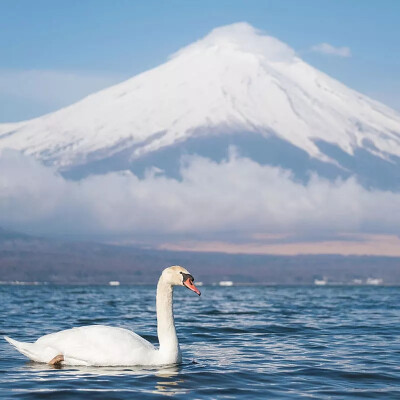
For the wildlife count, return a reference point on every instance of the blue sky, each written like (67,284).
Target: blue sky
(55,52)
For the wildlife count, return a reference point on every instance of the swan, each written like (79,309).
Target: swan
(100,345)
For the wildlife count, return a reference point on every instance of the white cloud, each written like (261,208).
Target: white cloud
(245,37)
(236,198)
(326,48)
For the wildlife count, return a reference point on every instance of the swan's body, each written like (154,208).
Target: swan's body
(91,345)
(99,345)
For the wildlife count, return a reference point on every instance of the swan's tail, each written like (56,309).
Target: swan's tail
(27,349)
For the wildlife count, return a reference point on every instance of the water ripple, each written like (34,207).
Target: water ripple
(250,343)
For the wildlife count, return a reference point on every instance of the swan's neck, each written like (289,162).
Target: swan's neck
(165,320)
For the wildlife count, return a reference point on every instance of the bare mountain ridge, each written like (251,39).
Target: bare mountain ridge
(26,258)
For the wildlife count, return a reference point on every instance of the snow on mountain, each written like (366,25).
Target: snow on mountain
(236,80)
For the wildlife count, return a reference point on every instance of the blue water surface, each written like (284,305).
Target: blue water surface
(237,342)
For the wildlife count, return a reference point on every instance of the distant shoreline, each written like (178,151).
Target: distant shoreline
(236,284)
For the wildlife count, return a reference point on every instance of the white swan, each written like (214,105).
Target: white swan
(99,345)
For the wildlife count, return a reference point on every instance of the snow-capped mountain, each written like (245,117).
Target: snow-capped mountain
(235,86)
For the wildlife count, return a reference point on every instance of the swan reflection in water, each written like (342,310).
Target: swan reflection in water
(167,378)
(169,386)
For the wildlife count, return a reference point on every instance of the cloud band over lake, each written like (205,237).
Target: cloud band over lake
(233,200)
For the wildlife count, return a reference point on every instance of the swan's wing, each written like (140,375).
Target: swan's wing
(98,345)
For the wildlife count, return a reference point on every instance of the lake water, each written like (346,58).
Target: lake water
(237,342)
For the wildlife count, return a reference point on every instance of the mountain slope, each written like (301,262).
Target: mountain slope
(235,81)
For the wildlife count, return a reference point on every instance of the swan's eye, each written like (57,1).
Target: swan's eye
(186,277)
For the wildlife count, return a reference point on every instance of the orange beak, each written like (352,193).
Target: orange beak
(190,285)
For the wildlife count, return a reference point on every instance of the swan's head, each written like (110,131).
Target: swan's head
(179,276)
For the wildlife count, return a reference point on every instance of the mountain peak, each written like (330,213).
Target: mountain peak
(235,80)
(242,37)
